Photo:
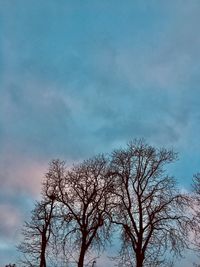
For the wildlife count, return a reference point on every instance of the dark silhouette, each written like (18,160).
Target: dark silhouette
(149,208)
(129,190)
(195,204)
(83,192)
(37,233)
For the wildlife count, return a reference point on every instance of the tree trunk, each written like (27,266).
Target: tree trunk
(81,258)
(139,259)
(82,252)
(42,260)
(43,250)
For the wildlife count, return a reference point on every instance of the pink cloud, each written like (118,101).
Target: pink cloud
(21,174)
(10,218)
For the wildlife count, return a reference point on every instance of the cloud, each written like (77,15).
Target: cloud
(103,90)
(20,175)
(83,86)
(11,219)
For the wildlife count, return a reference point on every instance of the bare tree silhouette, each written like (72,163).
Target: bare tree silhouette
(130,190)
(36,234)
(195,222)
(83,192)
(149,208)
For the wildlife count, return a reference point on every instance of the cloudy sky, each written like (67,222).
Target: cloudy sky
(82,77)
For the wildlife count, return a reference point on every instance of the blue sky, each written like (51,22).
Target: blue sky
(82,77)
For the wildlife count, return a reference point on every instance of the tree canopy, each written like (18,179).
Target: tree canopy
(128,191)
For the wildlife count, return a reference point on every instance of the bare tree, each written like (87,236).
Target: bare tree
(195,204)
(149,208)
(36,234)
(83,192)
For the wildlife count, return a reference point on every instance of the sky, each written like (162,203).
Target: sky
(78,78)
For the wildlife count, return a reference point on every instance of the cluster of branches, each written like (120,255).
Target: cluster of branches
(128,192)
(195,221)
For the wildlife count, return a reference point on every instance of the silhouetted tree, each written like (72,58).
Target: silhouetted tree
(36,234)
(83,192)
(149,208)
(195,204)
